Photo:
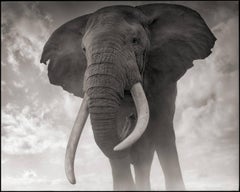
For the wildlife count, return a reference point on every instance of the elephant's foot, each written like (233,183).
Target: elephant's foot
(122,176)
(175,186)
(143,186)
(142,176)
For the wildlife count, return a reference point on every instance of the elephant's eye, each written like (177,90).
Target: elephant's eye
(84,49)
(135,40)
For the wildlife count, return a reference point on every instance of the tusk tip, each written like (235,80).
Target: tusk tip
(115,149)
(72,180)
(118,148)
(70,176)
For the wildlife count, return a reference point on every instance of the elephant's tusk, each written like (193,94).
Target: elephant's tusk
(141,103)
(74,139)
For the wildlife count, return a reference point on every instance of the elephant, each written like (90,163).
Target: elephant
(125,62)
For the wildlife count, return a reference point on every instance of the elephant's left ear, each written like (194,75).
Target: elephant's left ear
(67,62)
(178,36)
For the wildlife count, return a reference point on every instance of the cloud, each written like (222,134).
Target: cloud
(25,28)
(3,161)
(71,105)
(3,83)
(24,132)
(18,84)
(226,55)
(24,181)
(207,94)
(13,61)
(206,119)
(28,174)
(28,125)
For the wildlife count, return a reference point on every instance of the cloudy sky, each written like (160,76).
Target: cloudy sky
(37,117)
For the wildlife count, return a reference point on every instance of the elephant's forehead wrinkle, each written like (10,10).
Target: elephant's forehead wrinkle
(104,19)
(109,19)
(100,35)
(107,25)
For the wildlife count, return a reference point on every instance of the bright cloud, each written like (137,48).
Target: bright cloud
(18,84)
(23,35)
(25,180)
(24,132)
(29,174)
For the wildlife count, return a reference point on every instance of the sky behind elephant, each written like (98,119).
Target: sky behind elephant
(212,105)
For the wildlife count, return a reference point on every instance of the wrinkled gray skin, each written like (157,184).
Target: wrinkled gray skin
(104,53)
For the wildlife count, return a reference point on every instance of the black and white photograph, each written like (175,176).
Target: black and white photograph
(119,95)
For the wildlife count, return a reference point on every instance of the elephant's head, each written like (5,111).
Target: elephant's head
(103,55)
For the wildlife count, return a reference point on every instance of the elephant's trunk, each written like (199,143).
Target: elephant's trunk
(104,86)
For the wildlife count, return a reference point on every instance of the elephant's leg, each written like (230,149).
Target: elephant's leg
(142,174)
(168,157)
(122,176)
(142,156)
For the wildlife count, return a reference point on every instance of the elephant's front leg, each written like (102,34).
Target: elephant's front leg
(142,175)
(168,157)
(122,176)
(142,155)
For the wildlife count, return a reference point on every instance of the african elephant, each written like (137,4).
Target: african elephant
(125,62)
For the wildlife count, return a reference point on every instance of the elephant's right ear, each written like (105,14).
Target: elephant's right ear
(67,63)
